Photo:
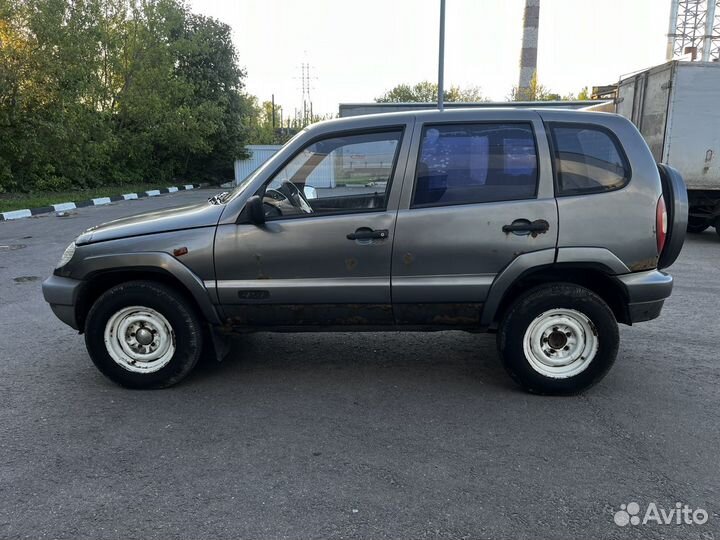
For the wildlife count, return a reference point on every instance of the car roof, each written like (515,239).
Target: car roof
(456,115)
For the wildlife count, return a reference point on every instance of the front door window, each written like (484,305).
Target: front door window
(338,175)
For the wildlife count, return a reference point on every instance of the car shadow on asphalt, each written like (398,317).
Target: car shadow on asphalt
(392,356)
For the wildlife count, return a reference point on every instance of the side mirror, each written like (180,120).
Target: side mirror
(310,192)
(255,210)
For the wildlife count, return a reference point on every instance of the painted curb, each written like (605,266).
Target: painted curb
(16,214)
(64,206)
(99,201)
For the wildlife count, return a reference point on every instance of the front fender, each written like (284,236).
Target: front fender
(154,261)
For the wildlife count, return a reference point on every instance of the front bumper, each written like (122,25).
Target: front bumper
(62,294)
(646,293)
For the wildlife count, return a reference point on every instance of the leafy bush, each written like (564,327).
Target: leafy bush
(114,91)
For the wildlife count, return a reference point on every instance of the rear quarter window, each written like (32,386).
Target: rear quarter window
(588,159)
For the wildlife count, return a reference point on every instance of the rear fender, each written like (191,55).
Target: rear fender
(505,279)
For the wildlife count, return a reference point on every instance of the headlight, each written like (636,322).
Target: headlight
(66,256)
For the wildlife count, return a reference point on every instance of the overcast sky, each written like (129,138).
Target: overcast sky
(358,49)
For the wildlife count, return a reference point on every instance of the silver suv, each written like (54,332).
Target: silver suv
(547,227)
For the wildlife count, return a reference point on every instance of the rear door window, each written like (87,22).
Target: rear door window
(587,160)
(475,163)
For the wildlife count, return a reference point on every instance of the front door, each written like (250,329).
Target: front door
(323,255)
(480,195)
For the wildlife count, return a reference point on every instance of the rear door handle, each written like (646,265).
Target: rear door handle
(365,233)
(524,226)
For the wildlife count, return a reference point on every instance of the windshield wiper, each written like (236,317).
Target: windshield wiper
(217,199)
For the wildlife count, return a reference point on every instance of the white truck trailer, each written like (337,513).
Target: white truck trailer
(676,107)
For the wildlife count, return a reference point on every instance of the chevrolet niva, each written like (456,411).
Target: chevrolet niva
(547,227)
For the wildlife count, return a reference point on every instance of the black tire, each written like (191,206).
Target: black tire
(530,305)
(179,313)
(697,225)
(677,206)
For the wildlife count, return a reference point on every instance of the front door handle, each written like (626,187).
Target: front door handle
(365,233)
(524,226)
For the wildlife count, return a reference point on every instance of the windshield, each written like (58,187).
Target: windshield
(243,185)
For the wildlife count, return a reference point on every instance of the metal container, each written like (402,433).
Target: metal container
(676,107)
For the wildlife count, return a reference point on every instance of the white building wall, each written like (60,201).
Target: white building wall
(259,154)
(323,176)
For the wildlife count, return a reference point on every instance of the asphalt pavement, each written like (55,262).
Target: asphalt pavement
(342,435)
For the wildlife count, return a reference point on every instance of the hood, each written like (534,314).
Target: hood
(172,219)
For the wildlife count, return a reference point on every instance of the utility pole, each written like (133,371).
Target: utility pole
(305,90)
(273,113)
(306,99)
(441,58)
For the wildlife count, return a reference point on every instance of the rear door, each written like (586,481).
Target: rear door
(478,193)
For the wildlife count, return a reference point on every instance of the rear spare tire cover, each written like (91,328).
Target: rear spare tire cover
(676,202)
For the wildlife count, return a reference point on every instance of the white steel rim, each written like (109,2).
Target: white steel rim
(560,343)
(139,339)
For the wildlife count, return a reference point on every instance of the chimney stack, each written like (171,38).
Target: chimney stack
(528,53)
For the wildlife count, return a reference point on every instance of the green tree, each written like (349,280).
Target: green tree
(427,92)
(538,92)
(208,62)
(108,91)
(534,92)
(263,128)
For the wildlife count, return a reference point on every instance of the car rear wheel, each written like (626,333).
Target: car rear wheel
(558,339)
(143,334)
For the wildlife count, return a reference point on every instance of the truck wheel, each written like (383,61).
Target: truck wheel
(558,339)
(697,225)
(142,334)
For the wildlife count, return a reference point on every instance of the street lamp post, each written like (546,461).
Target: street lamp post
(441,58)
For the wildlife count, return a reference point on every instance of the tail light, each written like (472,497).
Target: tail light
(661,224)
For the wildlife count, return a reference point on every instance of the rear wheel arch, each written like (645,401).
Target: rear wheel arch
(591,276)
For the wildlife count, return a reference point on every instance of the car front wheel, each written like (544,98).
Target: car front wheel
(143,334)
(558,339)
